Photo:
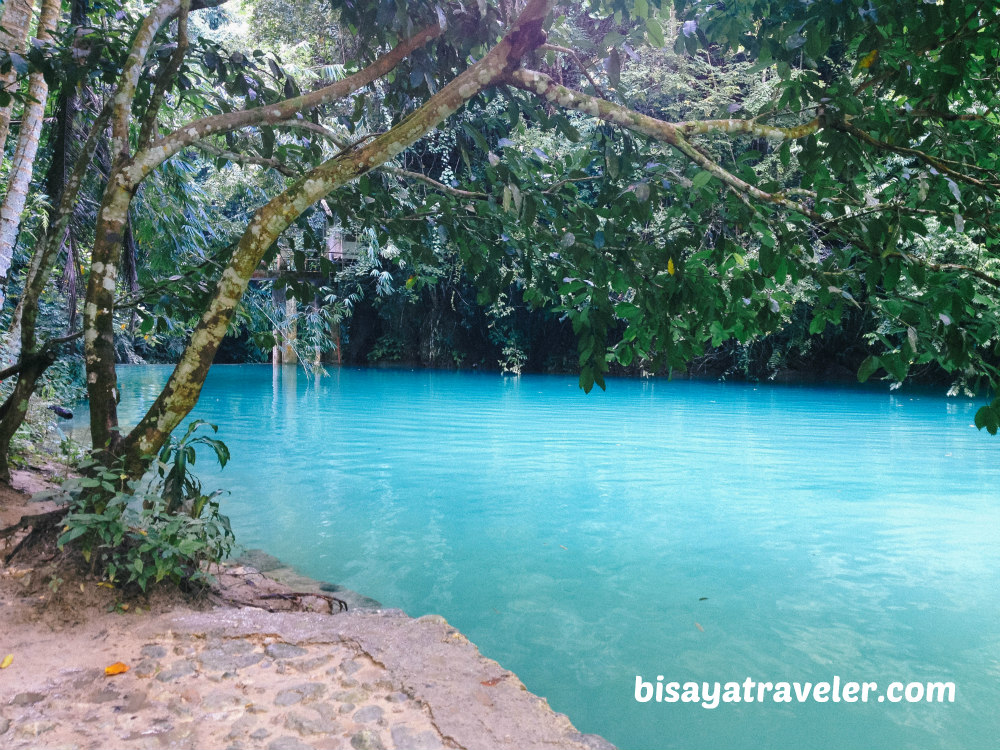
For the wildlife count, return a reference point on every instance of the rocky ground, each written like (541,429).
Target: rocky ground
(211,673)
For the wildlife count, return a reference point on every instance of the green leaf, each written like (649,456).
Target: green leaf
(267,139)
(984,416)
(627,311)
(701,179)
(868,368)
(655,32)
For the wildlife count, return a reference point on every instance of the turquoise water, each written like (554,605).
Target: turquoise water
(698,531)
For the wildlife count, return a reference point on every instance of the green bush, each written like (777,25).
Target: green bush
(138,533)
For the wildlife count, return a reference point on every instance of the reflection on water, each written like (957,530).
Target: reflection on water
(809,532)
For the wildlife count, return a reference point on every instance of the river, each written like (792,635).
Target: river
(698,531)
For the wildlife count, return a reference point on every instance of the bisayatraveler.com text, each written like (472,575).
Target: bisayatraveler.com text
(712,694)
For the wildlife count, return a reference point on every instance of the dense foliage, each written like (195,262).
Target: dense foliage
(733,187)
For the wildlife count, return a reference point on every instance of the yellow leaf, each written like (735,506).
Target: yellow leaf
(116,668)
(867,60)
(106,585)
(6,661)
(671,269)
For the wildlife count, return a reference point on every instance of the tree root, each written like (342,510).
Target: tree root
(40,525)
(295,597)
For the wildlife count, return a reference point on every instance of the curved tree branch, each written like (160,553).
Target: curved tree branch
(184,386)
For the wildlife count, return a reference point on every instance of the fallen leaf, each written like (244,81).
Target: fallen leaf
(698,625)
(106,585)
(565,548)
(492,683)
(116,668)
(6,661)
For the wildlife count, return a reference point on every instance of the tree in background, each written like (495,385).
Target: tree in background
(859,174)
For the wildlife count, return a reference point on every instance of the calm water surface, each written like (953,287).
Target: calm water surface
(703,532)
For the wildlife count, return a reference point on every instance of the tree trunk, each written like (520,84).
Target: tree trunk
(15,17)
(27,147)
(181,393)
(15,408)
(290,334)
(25,316)
(128,172)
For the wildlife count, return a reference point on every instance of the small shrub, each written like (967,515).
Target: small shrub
(143,533)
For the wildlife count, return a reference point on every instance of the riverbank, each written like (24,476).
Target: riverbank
(209,673)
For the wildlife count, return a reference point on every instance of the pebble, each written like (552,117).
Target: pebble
(368,713)
(146,668)
(179,669)
(299,694)
(366,740)
(350,667)
(308,665)
(4,725)
(284,651)
(310,724)
(351,696)
(397,697)
(152,651)
(259,734)
(230,656)
(240,727)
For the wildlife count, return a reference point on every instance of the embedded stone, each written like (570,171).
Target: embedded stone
(230,656)
(350,667)
(145,668)
(368,713)
(284,651)
(367,740)
(153,651)
(310,724)
(303,693)
(180,669)
(27,699)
